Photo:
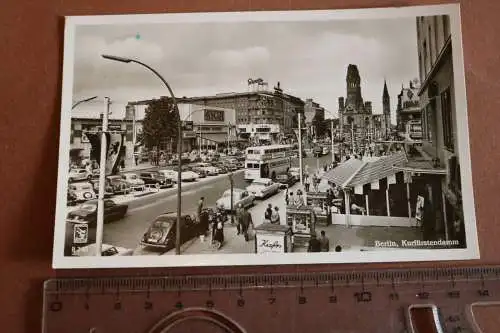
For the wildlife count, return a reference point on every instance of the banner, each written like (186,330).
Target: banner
(114,151)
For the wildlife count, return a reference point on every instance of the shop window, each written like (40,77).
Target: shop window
(447,119)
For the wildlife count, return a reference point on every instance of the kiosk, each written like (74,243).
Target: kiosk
(318,202)
(273,238)
(302,220)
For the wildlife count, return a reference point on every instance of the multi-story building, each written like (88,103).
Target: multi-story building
(358,124)
(408,105)
(312,109)
(436,169)
(273,111)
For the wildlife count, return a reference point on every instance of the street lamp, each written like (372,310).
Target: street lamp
(179,142)
(83,101)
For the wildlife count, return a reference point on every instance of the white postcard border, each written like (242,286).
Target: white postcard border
(389,255)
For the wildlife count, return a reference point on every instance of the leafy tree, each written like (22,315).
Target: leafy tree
(160,124)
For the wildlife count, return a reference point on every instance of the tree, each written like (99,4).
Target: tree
(160,124)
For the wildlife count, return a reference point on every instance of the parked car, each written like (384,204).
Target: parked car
(286,180)
(108,190)
(295,172)
(221,167)
(108,250)
(155,178)
(79,192)
(240,196)
(118,185)
(87,212)
(79,174)
(172,174)
(187,175)
(162,231)
(134,181)
(202,173)
(318,151)
(263,187)
(209,169)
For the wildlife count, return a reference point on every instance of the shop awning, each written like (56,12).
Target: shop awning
(343,172)
(421,167)
(355,173)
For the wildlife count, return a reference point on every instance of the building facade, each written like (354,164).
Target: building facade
(436,168)
(358,124)
(408,107)
(312,109)
(257,107)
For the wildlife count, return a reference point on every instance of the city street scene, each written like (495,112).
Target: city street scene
(264,137)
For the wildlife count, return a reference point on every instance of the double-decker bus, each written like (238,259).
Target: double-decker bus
(267,161)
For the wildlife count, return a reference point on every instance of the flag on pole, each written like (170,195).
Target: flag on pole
(114,152)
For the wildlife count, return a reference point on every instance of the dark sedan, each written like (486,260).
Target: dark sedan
(155,178)
(286,180)
(162,231)
(87,212)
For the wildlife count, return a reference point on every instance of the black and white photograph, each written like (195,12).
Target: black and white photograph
(264,138)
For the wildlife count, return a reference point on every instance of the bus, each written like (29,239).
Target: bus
(414,129)
(267,161)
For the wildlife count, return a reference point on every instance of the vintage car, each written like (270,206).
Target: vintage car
(79,192)
(118,185)
(161,233)
(209,169)
(263,187)
(202,173)
(134,181)
(79,174)
(240,196)
(87,212)
(286,180)
(295,172)
(223,169)
(186,176)
(156,178)
(108,190)
(107,250)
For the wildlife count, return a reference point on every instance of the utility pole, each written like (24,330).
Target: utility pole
(331,133)
(300,149)
(231,182)
(102,179)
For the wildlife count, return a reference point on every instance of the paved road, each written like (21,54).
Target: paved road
(128,231)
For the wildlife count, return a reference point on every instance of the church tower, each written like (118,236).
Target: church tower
(354,101)
(386,108)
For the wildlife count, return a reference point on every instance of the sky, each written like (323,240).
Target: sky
(308,58)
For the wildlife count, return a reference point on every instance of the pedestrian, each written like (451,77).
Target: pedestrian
(307,183)
(200,207)
(239,218)
(324,242)
(338,248)
(268,213)
(314,244)
(246,223)
(290,200)
(315,182)
(275,217)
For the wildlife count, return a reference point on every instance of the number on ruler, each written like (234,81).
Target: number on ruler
(302,300)
(364,296)
(454,294)
(394,296)
(423,295)
(271,300)
(210,304)
(483,292)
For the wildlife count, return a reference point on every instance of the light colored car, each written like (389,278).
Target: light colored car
(134,181)
(79,174)
(209,169)
(263,187)
(79,192)
(295,172)
(186,176)
(240,196)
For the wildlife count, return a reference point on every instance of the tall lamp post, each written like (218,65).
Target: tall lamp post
(179,142)
(83,101)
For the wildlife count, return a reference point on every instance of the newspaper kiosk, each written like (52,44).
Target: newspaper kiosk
(302,220)
(273,238)
(318,202)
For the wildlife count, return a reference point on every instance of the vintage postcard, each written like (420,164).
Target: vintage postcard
(264,138)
